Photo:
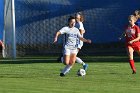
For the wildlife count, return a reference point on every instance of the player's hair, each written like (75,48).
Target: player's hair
(132,16)
(137,13)
(81,16)
(70,18)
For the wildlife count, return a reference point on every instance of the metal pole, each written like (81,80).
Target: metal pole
(3,50)
(14,32)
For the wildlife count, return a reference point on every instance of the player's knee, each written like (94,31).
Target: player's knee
(71,63)
(66,63)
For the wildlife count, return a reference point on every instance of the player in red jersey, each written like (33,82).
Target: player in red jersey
(137,15)
(132,35)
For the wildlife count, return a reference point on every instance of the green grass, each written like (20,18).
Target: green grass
(102,77)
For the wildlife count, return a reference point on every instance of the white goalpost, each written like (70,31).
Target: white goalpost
(9,34)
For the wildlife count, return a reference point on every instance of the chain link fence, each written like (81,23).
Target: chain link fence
(37,21)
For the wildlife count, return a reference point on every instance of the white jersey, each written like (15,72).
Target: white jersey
(71,35)
(80,25)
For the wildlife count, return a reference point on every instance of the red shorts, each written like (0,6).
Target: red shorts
(135,46)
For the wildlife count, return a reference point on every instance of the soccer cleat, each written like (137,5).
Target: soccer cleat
(85,67)
(134,72)
(62,75)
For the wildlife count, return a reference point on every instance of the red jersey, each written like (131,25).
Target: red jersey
(132,33)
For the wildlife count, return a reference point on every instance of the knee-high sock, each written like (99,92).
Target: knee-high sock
(80,61)
(62,59)
(66,69)
(132,65)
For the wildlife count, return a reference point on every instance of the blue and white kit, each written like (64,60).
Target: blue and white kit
(80,26)
(71,43)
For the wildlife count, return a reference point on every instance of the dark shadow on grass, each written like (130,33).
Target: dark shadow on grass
(27,61)
(54,60)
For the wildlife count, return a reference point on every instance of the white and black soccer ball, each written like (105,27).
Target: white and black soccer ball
(81,72)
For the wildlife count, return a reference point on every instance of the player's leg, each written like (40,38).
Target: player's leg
(130,51)
(72,59)
(62,59)
(80,61)
(67,54)
(67,67)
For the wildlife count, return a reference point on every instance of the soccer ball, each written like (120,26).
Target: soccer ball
(81,72)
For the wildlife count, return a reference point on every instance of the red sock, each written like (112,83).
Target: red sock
(132,64)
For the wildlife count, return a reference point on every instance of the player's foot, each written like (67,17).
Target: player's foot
(134,72)
(85,67)
(62,75)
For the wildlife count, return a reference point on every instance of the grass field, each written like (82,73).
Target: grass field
(102,77)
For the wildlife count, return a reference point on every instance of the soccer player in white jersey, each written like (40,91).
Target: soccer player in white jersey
(79,24)
(71,44)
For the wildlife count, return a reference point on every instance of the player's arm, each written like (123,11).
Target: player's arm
(135,40)
(122,35)
(85,40)
(138,36)
(82,31)
(56,36)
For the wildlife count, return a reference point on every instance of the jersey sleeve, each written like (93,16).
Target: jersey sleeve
(62,30)
(78,34)
(81,26)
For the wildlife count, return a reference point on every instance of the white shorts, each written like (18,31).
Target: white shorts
(80,44)
(70,51)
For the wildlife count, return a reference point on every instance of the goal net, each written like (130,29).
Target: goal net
(37,21)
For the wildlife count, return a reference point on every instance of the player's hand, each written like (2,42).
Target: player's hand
(120,38)
(55,40)
(130,42)
(88,41)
